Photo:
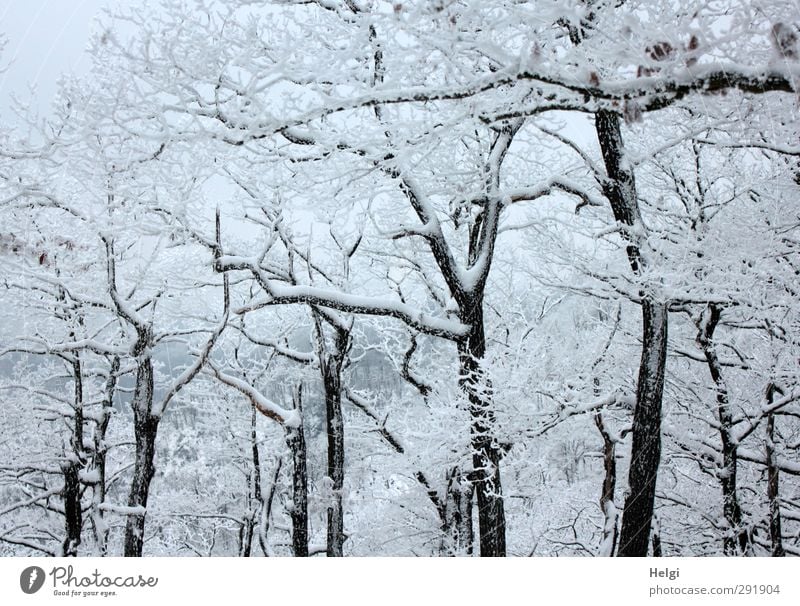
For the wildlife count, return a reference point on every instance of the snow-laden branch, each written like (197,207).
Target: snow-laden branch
(123,510)
(283,294)
(481,253)
(766,411)
(785,150)
(785,466)
(288,418)
(430,228)
(703,448)
(30,544)
(57,397)
(567,412)
(529,194)
(41,347)
(123,307)
(281,348)
(201,358)
(35,499)
(570,92)
(392,440)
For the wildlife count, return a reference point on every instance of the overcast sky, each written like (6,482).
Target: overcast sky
(44,38)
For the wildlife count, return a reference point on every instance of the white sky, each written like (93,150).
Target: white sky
(44,38)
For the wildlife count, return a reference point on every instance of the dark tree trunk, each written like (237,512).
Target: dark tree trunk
(72,510)
(145,430)
(266,512)
(773,482)
(335,471)
(331,362)
(99,459)
(255,502)
(657,551)
(735,542)
(146,417)
(609,540)
(646,433)
(620,189)
(457,515)
(73,517)
(296,441)
(620,185)
(486,453)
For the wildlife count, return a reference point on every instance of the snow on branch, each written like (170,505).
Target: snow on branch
(283,294)
(30,544)
(571,92)
(280,347)
(288,418)
(766,411)
(556,184)
(567,412)
(35,499)
(123,510)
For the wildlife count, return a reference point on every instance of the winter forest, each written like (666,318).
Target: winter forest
(407,278)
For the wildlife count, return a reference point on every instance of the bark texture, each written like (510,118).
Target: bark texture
(619,188)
